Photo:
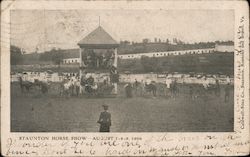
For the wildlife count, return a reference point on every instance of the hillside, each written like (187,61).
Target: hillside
(199,63)
(160,47)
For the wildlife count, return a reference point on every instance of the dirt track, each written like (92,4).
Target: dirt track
(50,113)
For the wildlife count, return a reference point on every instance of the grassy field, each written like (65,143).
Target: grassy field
(52,113)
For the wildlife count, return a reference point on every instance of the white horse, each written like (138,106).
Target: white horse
(66,88)
(205,84)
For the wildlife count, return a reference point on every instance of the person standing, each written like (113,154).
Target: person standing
(128,90)
(168,83)
(191,92)
(135,85)
(104,120)
(77,86)
(228,81)
(148,81)
(142,88)
(217,88)
(227,92)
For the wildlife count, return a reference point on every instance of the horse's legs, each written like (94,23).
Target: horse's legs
(77,91)
(21,86)
(154,92)
(71,90)
(27,88)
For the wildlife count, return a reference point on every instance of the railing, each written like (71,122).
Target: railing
(125,78)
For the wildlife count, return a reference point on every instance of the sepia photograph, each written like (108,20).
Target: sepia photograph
(122,70)
(124,78)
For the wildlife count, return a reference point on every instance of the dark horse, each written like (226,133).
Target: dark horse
(25,85)
(151,88)
(42,85)
(104,89)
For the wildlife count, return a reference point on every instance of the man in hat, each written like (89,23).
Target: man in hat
(105,120)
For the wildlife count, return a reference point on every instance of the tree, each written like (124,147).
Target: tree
(56,57)
(167,41)
(149,64)
(15,55)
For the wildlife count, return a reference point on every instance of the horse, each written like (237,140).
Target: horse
(91,89)
(66,88)
(151,88)
(213,89)
(90,85)
(174,89)
(42,85)
(104,89)
(25,84)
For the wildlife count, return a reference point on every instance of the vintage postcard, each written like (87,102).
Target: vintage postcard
(124,78)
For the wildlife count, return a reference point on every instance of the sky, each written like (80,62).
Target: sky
(42,30)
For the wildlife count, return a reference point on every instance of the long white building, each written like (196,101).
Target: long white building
(166,53)
(224,48)
(71,60)
(73,57)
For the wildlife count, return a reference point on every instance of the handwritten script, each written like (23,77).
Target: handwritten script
(240,86)
(122,145)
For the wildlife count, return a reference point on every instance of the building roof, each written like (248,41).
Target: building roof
(98,38)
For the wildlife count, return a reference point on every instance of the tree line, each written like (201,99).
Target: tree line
(18,57)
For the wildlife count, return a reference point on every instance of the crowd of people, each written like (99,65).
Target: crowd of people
(74,86)
(98,60)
